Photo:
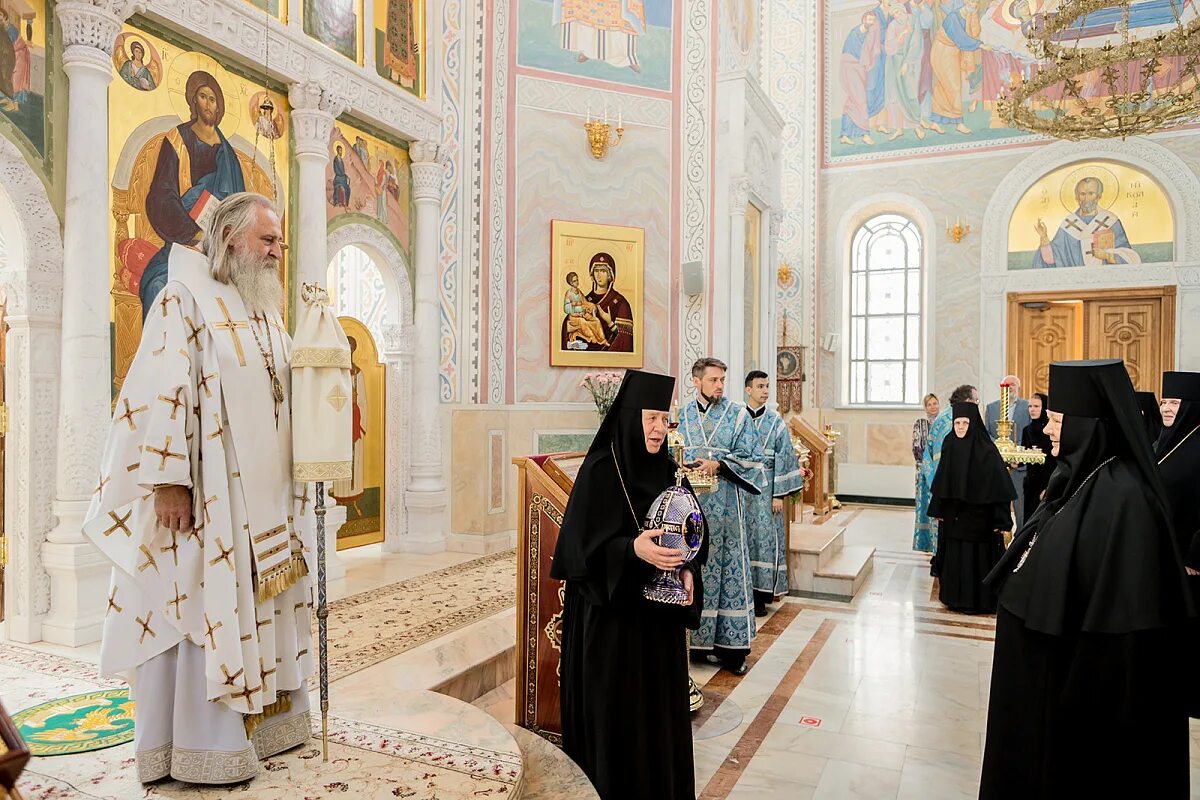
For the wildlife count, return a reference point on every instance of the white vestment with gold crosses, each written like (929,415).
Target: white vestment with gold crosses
(197,409)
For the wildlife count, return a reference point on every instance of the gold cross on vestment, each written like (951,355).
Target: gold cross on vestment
(212,629)
(129,412)
(150,562)
(165,453)
(112,603)
(173,547)
(162,349)
(232,327)
(197,529)
(217,434)
(146,627)
(179,598)
(303,498)
(167,298)
(231,678)
(247,693)
(203,382)
(263,672)
(194,336)
(119,524)
(174,402)
(100,486)
(225,555)
(207,503)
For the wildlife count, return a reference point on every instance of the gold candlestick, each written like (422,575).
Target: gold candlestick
(1013,454)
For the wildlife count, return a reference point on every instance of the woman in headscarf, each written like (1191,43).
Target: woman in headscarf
(1088,680)
(1037,476)
(1178,454)
(971,495)
(624,669)
(923,533)
(1151,415)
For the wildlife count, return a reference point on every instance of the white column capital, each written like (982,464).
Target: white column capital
(1188,277)
(314,109)
(774,223)
(739,195)
(90,27)
(398,342)
(428,169)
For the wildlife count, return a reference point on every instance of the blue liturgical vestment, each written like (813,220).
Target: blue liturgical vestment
(925,535)
(726,434)
(766,531)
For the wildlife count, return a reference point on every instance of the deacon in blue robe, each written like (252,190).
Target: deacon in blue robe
(715,429)
(925,535)
(766,526)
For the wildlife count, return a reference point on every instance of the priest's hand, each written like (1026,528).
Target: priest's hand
(710,467)
(665,558)
(689,583)
(777,505)
(1191,571)
(173,507)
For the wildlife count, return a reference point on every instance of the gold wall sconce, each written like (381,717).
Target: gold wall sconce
(958,231)
(600,134)
(784,274)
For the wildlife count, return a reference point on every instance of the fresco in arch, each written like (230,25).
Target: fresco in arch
(1097,214)
(622,41)
(913,75)
(23,68)
(184,133)
(369,177)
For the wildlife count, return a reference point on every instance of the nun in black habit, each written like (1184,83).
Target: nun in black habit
(972,493)
(1151,415)
(1037,476)
(1178,453)
(1088,682)
(624,670)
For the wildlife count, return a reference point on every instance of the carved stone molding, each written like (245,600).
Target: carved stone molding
(31,277)
(398,341)
(241,30)
(1188,277)
(93,24)
(392,266)
(314,110)
(739,195)
(428,170)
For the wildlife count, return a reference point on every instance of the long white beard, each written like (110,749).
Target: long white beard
(257,281)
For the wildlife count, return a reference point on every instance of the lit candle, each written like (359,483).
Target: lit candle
(589,112)
(618,118)
(605,112)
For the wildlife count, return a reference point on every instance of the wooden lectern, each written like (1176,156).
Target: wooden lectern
(818,492)
(14,755)
(544,483)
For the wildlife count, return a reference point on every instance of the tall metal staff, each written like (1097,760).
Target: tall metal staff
(322,445)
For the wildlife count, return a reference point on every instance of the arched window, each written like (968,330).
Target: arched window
(886,350)
(357,290)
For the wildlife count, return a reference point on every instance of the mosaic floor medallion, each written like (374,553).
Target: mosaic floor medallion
(77,723)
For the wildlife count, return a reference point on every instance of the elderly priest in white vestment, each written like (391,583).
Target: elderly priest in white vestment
(209,609)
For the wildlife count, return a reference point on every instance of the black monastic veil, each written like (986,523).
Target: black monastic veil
(624,669)
(1088,682)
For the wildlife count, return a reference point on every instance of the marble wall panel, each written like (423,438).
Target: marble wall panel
(889,444)
(556,178)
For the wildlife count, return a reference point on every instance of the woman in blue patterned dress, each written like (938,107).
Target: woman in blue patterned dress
(923,534)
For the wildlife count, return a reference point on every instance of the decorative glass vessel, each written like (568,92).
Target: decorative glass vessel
(678,514)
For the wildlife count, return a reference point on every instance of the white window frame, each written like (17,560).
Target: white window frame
(907,218)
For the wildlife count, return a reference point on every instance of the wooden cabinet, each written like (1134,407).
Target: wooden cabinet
(818,487)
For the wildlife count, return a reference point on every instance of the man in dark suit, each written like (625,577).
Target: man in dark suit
(1018,411)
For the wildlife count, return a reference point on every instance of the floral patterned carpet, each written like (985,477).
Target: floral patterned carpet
(367,628)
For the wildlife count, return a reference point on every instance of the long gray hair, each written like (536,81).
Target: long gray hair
(233,216)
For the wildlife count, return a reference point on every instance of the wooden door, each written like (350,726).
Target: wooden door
(1044,331)
(1134,330)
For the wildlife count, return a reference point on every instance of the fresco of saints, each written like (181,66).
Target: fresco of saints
(860,53)
(341,181)
(196,168)
(602,30)
(954,57)
(135,72)
(613,310)
(1089,236)
(349,492)
(14,63)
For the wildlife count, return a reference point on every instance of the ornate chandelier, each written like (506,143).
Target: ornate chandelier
(1123,87)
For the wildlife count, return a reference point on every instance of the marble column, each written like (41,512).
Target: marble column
(314,110)
(427,498)
(78,572)
(1188,279)
(398,359)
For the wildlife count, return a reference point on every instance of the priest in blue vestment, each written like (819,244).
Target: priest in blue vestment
(766,526)
(720,436)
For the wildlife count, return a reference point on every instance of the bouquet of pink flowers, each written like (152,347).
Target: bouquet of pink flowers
(603,387)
